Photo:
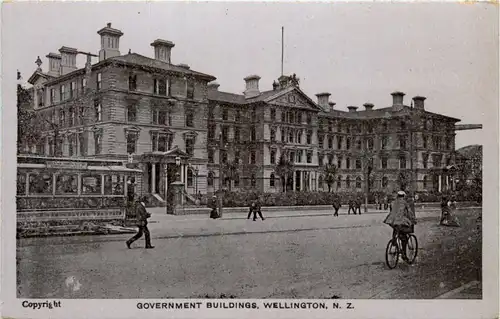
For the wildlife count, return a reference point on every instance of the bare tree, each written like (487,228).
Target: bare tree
(284,168)
(329,173)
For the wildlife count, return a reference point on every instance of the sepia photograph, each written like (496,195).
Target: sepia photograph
(212,155)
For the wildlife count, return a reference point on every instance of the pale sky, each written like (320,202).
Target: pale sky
(357,52)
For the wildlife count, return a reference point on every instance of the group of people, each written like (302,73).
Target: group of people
(255,208)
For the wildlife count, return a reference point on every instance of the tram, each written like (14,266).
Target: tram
(70,195)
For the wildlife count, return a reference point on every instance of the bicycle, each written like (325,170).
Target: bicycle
(395,248)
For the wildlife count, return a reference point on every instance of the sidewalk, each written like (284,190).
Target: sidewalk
(471,290)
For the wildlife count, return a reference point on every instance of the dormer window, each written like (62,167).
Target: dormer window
(132,82)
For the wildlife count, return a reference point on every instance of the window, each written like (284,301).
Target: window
(339,162)
(71,116)
(298,156)
(223,156)
(309,137)
(330,159)
(436,160)
(210,155)
(99,82)
(160,117)
(309,157)
(384,162)
(131,142)
(21,184)
(237,157)
(131,113)
(67,184)
(81,144)
(283,116)
(52,96)
(72,91)
(253,181)
(225,114)
(339,182)
(299,117)
(347,182)
(358,164)
(425,141)
(71,145)
(237,116)
(299,137)
(237,134)
(348,143)
(114,185)
(330,126)
(252,157)
(132,82)
(330,142)
(283,135)
(236,179)
(189,118)
(62,118)
(273,115)
(449,143)
(385,181)
(91,184)
(339,142)
(320,181)
(40,184)
(436,143)
(160,142)
(62,93)
(273,157)
(370,143)
(309,118)
(273,135)
(160,87)
(384,143)
(402,162)
(320,160)
(253,115)
(190,90)
(348,163)
(97,142)
(358,144)
(271,180)
(210,112)
(225,133)
(97,110)
(189,177)
(402,142)
(424,180)
(403,125)
(425,160)
(290,136)
(253,136)
(358,182)
(190,146)
(210,179)
(320,141)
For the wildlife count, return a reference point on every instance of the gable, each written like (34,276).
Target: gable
(293,97)
(37,78)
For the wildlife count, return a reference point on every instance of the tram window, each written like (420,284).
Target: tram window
(114,185)
(67,184)
(41,184)
(21,184)
(91,184)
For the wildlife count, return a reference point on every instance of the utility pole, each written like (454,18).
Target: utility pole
(413,180)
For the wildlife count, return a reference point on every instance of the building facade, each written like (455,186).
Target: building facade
(167,119)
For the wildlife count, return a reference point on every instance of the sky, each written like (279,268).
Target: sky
(358,52)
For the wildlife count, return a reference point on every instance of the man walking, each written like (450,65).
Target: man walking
(336,205)
(357,205)
(351,206)
(255,208)
(142,222)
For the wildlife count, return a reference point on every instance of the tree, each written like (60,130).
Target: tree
(329,174)
(27,134)
(231,169)
(403,180)
(284,168)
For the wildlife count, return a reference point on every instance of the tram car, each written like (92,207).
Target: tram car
(68,195)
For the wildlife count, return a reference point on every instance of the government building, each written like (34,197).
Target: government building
(174,122)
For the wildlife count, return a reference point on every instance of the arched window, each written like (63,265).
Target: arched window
(347,182)
(189,177)
(358,182)
(210,179)
(271,180)
(424,180)
(385,181)
(320,181)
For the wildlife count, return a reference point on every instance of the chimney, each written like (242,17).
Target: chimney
(68,60)
(368,106)
(252,86)
(214,86)
(332,106)
(397,98)
(419,102)
(184,66)
(110,42)
(163,50)
(54,64)
(323,100)
(352,108)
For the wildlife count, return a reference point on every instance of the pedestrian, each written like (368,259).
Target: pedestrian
(142,222)
(336,205)
(213,205)
(377,202)
(402,219)
(386,202)
(357,206)
(256,208)
(351,206)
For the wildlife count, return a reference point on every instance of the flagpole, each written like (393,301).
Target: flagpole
(282,47)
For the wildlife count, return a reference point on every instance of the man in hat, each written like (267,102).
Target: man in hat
(213,205)
(336,205)
(142,216)
(255,208)
(401,218)
(351,206)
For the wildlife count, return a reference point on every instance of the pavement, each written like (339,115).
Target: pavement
(319,256)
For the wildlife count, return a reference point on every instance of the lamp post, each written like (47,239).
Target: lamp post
(196,171)
(413,180)
(166,188)
(177,164)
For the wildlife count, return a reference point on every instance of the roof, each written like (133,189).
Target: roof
(137,59)
(38,74)
(470,150)
(385,112)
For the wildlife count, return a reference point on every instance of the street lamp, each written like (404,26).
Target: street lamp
(178,164)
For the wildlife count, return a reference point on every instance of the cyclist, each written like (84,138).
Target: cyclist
(401,219)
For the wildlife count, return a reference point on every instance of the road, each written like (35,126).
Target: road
(314,256)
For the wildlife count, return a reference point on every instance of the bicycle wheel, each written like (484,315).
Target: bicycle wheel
(411,248)
(392,254)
